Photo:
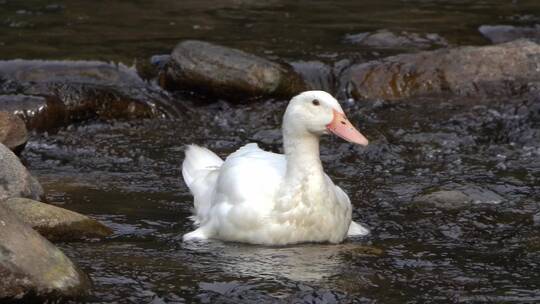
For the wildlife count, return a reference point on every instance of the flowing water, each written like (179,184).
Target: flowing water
(127,173)
(130,31)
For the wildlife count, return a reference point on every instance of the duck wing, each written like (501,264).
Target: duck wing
(251,176)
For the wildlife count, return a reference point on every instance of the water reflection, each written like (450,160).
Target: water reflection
(301,263)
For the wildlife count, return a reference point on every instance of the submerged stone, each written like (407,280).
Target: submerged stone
(506,33)
(54,223)
(500,70)
(445,199)
(459,198)
(13,133)
(384,39)
(32,268)
(15,180)
(223,71)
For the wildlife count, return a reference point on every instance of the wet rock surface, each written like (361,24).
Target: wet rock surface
(383,39)
(447,199)
(13,133)
(54,223)
(38,112)
(501,70)
(466,196)
(86,89)
(506,33)
(33,269)
(215,69)
(15,180)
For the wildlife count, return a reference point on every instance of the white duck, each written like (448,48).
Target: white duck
(262,197)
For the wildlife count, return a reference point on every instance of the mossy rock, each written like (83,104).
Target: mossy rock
(32,268)
(54,223)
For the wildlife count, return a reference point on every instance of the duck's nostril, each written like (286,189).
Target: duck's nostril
(343,122)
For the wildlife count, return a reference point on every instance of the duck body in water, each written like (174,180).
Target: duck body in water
(260,197)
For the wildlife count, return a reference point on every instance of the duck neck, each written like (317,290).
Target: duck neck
(303,159)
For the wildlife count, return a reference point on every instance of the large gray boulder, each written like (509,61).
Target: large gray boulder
(31,267)
(206,67)
(13,133)
(504,69)
(54,223)
(15,180)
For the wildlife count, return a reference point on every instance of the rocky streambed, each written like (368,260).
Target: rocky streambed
(450,184)
(450,190)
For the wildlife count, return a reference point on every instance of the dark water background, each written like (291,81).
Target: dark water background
(127,174)
(134,30)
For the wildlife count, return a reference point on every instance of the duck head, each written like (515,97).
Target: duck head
(319,113)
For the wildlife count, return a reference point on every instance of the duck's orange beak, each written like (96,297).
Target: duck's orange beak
(343,128)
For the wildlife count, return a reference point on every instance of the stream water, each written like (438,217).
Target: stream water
(127,174)
(132,31)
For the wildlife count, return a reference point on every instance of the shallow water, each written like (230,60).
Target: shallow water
(127,174)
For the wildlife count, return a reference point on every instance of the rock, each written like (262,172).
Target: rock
(83,72)
(54,223)
(504,69)
(506,33)
(86,89)
(38,112)
(441,139)
(464,196)
(445,199)
(210,68)
(479,195)
(13,132)
(15,180)
(32,268)
(355,250)
(385,39)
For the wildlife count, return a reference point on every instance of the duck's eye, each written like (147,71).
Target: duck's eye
(315,102)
